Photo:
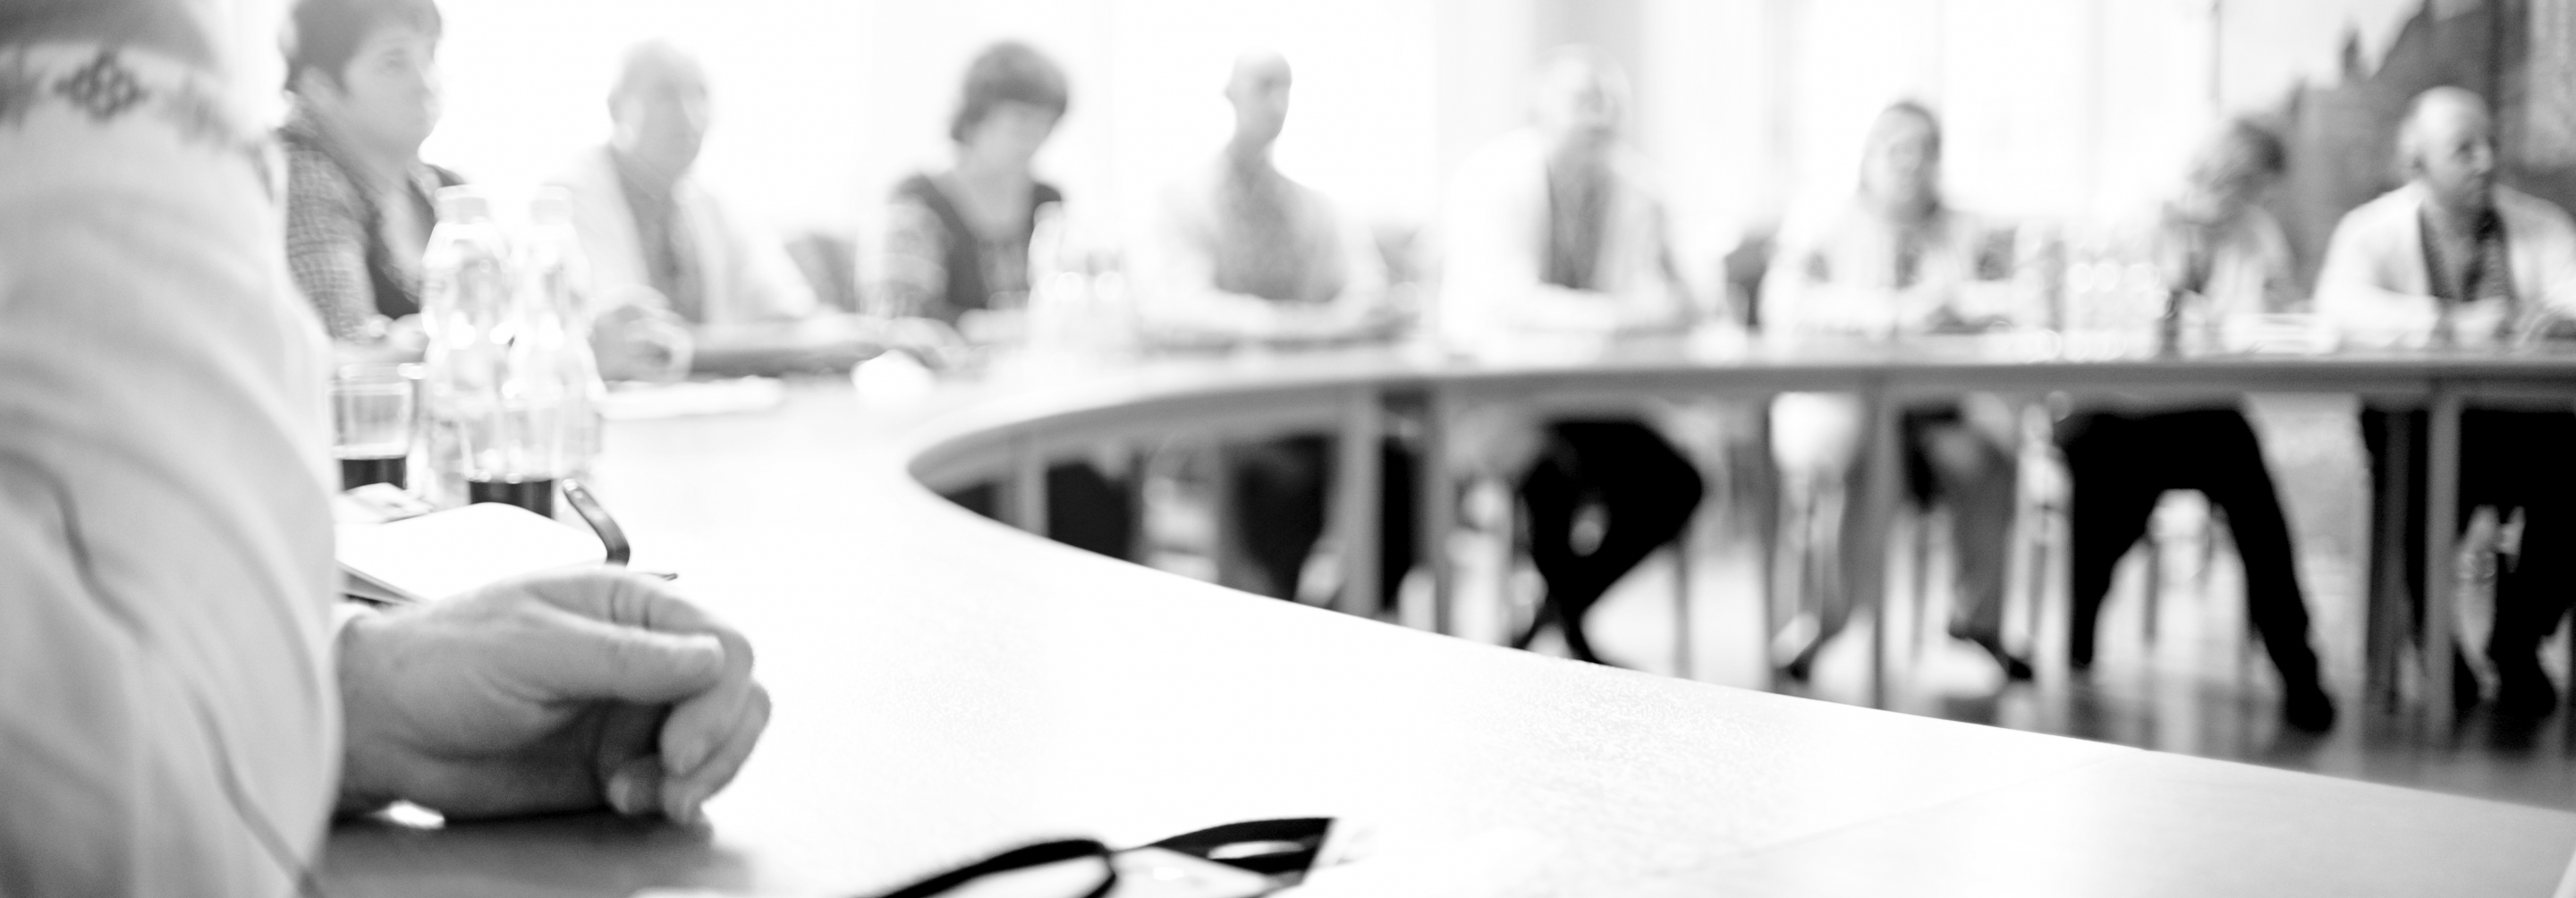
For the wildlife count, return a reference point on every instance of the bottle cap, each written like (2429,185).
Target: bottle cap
(463,202)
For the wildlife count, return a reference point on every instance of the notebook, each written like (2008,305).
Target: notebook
(444,553)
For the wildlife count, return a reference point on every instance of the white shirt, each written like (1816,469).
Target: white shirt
(2374,285)
(745,272)
(1836,273)
(1495,240)
(168,716)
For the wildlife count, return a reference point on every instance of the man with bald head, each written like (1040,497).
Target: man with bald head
(1250,256)
(2455,259)
(645,221)
(1556,238)
(2451,257)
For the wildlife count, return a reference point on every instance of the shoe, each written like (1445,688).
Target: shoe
(1801,667)
(2308,709)
(2523,691)
(2015,669)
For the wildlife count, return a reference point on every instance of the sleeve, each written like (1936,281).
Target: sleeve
(326,247)
(112,789)
(1364,275)
(2557,260)
(165,548)
(2352,293)
(1799,272)
(914,267)
(2280,270)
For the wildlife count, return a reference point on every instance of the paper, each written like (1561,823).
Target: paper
(444,553)
(703,397)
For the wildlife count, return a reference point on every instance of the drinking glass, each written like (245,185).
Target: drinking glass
(372,423)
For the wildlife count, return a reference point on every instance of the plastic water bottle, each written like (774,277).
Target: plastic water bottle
(551,358)
(466,304)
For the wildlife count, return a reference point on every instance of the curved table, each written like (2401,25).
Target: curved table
(947,688)
(1352,394)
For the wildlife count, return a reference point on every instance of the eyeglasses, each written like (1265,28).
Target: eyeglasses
(1236,860)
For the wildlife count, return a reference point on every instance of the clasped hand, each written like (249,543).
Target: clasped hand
(562,691)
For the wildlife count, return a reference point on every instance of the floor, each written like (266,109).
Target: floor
(2194,684)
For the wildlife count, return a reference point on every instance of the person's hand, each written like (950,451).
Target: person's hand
(638,339)
(2544,325)
(561,691)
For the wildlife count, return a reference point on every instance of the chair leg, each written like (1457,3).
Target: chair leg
(1682,604)
(2043,535)
(1922,574)
(2155,586)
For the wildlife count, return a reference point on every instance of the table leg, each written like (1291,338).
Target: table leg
(1028,493)
(1436,504)
(1225,541)
(1682,546)
(1865,558)
(1358,484)
(2441,507)
(2392,619)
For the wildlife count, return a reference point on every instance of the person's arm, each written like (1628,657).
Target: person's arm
(913,276)
(113,785)
(326,248)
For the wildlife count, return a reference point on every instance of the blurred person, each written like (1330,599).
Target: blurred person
(1554,232)
(2454,258)
(957,248)
(1248,255)
(2222,251)
(364,84)
(646,220)
(187,709)
(1897,262)
(957,241)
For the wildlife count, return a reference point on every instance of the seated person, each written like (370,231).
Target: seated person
(2224,252)
(1898,262)
(1249,255)
(358,198)
(2453,258)
(957,247)
(1555,231)
(644,220)
(185,712)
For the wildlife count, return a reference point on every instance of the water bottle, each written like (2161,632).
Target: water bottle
(545,425)
(552,355)
(465,312)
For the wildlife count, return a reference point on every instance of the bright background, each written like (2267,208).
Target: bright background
(2059,108)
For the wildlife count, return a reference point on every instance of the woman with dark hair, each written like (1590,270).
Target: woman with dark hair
(358,198)
(958,241)
(957,249)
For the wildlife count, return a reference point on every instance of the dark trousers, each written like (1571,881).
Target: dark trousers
(1628,475)
(2122,463)
(1277,499)
(2509,460)
(1085,508)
